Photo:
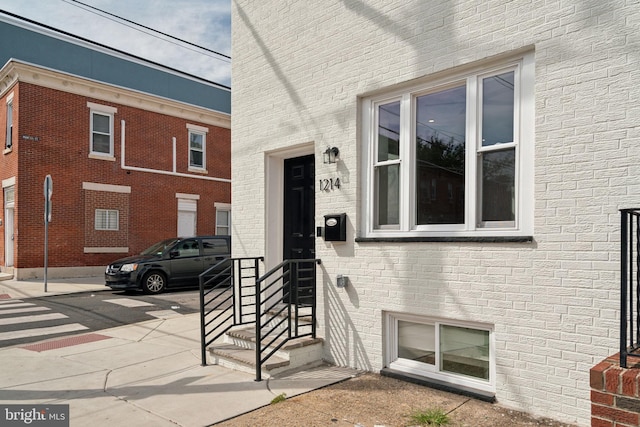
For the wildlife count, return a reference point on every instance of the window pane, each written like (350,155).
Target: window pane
(222,217)
(498,185)
(497,109)
(195,158)
(187,248)
(101,123)
(9,136)
(112,218)
(388,185)
(416,341)
(464,351)
(223,221)
(101,143)
(106,219)
(440,149)
(99,221)
(389,132)
(215,247)
(9,195)
(196,141)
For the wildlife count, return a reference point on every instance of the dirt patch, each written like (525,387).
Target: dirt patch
(373,400)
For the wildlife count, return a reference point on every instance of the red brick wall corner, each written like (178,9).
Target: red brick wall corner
(615,394)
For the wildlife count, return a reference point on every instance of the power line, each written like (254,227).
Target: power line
(73,36)
(221,56)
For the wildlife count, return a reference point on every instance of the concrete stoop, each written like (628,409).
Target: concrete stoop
(237,351)
(6,276)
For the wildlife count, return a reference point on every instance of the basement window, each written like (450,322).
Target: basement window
(458,353)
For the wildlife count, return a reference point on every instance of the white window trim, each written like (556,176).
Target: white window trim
(525,137)
(104,110)
(198,130)
(187,196)
(432,372)
(8,143)
(223,207)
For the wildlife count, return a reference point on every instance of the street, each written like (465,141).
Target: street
(29,320)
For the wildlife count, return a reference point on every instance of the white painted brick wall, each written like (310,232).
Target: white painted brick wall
(298,70)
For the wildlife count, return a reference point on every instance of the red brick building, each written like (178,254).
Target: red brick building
(129,166)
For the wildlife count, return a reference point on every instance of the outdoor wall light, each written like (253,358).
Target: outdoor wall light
(330,154)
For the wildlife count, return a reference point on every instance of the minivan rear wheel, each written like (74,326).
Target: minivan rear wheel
(154,282)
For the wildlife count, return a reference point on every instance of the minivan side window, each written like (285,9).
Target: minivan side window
(187,248)
(215,247)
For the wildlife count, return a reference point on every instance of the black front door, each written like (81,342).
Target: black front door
(299,222)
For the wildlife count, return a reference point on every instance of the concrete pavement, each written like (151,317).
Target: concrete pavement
(145,374)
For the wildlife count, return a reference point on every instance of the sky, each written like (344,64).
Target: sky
(205,23)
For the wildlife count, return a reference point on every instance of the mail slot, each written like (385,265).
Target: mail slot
(335,227)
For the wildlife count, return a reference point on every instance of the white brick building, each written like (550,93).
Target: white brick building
(485,148)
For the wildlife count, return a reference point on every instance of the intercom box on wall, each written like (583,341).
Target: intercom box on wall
(335,227)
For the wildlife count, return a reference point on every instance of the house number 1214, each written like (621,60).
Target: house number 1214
(329,184)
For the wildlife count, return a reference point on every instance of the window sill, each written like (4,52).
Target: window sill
(198,170)
(7,150)
(102,157)
(446,239)
(105,250)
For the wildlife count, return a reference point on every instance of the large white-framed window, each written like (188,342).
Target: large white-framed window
(458,353)
(8,142)
(107,219)
(452,156)
(197,147)
(223,218)
(101,130)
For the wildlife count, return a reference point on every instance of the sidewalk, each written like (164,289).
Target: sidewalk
(35,287)
(145,374)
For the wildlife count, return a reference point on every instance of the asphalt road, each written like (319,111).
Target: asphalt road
(36,319)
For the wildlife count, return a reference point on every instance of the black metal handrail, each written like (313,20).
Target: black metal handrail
(629,284)
(227,298)
(286,295)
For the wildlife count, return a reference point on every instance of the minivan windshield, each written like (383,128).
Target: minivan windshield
(159,247)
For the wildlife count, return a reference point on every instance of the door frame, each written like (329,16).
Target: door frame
(187,204)
(274,200)
(9,223)
(8,236)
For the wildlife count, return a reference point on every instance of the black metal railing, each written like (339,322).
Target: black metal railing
(629,284)
(286,295)
(227,298)
(281,303)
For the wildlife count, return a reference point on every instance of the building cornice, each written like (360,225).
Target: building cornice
(17,71)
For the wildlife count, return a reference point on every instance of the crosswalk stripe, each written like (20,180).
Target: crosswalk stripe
(32,318)
(9,301)
(18,304)
(128,302)
(25,333)
(24,310)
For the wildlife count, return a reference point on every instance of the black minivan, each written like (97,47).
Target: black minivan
(171,263)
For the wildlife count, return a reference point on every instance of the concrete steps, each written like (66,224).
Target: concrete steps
(237,351)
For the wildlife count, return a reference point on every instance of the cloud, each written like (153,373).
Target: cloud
(202,22)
